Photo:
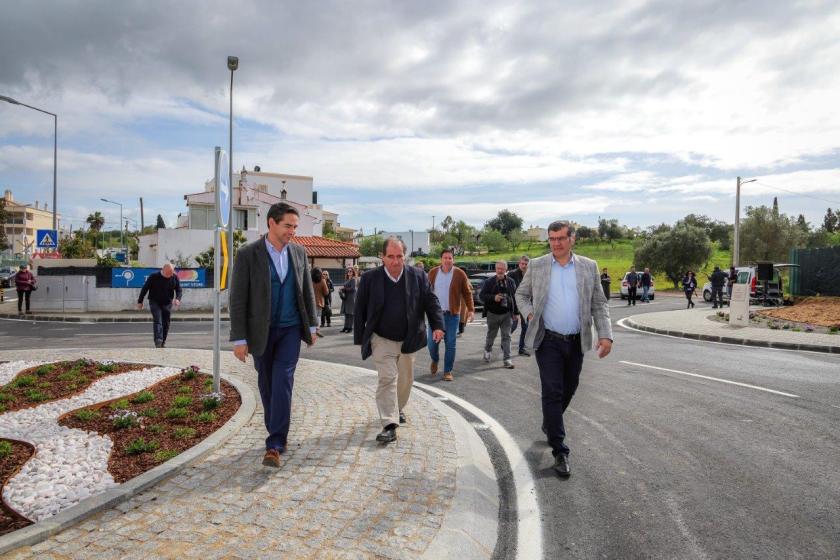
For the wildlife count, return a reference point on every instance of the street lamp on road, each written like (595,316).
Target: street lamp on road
(122,237)
(55,152)
(232,64)
(736,249)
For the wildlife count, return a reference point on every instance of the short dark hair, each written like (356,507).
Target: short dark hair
(447,250)
(280,209)
(560,224)
(393,239)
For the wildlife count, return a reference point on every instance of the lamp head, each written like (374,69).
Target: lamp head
(9,100)
(233,63)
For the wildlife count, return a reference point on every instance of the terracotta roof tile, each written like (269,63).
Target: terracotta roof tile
(321,247)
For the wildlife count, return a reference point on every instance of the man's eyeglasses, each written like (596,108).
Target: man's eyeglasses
(558,239)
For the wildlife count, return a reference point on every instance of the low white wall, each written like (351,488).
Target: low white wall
(123,299)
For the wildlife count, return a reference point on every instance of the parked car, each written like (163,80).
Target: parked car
(476,280)
(747,275)
(7,276)
(624,290)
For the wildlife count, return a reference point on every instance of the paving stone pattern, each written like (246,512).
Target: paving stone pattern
(338,494)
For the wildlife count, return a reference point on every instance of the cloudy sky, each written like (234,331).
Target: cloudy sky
(638,110)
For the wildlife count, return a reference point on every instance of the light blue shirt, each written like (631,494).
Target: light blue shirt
(279,258)
(562,309)
(442,282)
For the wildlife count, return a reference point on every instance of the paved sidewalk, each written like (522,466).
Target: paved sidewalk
(338,494)
(8,310)
(696,324)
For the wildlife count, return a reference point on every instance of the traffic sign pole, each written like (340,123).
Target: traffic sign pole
(223,201)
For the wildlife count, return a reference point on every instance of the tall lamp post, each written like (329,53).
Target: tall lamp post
(232,64)
(55,152)
(736,249)
(122,237)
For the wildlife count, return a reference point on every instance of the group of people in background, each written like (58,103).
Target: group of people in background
(324,289)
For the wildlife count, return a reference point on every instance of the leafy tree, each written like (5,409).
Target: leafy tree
(160,223)
(767,236)
(585,232)
(716,230)
(830,221)
(775,206)
(803,224)
(95,221)
(505,222)
(4,217)
(76,247)
(493,240)
(371,245)
(205,258)
(674,251)
(609,229)
(516,237)
(446,224)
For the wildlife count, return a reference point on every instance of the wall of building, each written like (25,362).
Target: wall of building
(165,244)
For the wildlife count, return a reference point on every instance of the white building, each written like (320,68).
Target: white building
(414,240)
(253,195)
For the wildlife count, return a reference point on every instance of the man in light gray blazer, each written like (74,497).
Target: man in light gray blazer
(561,296)
(272,309)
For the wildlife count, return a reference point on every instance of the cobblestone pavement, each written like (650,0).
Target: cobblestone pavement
(696,323)
(338,494)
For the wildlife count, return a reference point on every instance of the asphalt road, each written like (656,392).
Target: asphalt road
(666,464)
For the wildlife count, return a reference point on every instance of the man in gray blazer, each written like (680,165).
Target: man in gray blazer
(561,296)
(272,308)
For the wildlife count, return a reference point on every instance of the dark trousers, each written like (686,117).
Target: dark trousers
(23,294)
(160,319)
(688,296)
(717,296)
(560,362)
(275,379)
(524,322)
(606,287)
(631,295)
(326,315)
(348,322)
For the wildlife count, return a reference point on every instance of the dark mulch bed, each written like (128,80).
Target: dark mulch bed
(10,464)
(166,429)
(59,380)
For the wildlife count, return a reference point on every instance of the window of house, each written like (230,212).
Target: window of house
(201,217)
(245,218)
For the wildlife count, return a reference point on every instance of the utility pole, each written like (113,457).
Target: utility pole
(142,220)
(736,249)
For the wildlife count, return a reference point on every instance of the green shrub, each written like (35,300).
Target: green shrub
(155,428)
(140,445)
(143,397)
(182,402)
(106,368)
(45,369)
(2,408)
(24,381)
(189,372)
(6,397)
(125,419)
(206,417)
(35,395)
(5,448)
(211,401)
(176,412)
(71,375)
(85,415)
(150,412)
(184,433)
(121,404)
(165,455)
(185,390)
(208,383)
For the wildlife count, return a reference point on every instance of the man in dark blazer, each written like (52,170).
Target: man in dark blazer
(272,309)
(391,302)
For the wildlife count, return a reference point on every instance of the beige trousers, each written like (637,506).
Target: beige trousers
(396,374)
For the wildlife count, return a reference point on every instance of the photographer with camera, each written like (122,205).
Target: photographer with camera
(497,295)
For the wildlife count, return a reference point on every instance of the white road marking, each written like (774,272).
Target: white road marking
(639,303)
(476,377)
(747,385)
(621,323)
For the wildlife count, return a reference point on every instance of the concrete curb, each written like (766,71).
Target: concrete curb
(42,530)
(733,340)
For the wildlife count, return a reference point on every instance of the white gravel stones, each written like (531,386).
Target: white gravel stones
(69,464)
(9,370)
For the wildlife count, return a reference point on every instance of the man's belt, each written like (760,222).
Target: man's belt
(563,337)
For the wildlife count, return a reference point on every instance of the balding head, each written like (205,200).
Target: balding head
(167,270)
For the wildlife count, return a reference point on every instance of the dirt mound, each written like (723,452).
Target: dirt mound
(822,311)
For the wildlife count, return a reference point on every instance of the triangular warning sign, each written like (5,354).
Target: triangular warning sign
(47,240)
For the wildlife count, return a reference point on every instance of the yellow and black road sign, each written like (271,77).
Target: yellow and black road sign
(225,261)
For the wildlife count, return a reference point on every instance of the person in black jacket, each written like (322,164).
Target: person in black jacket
(388,323)
(632,284)
(718,279)
(164,291)
(497,294)
(517,276)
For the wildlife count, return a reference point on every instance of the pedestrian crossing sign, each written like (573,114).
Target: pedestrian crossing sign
(46,239)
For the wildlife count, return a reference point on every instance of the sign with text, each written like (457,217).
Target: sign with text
(739,306)
(136,277)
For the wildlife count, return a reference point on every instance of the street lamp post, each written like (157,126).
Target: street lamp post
(55,153)
(122,237)
(736,249)
(232,64)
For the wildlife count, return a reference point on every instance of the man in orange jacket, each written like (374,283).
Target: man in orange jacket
(452,287)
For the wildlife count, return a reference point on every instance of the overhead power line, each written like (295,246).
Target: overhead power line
(796,193)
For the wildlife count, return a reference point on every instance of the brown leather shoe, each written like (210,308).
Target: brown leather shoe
(272,458)
(433,368)
(447,376)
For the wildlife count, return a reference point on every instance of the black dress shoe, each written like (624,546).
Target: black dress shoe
(561,466)
(402,417)
(158,344)
(388,435)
